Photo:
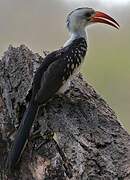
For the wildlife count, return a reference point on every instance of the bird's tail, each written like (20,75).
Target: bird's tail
(22,135)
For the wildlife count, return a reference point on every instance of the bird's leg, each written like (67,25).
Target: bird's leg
(64,93)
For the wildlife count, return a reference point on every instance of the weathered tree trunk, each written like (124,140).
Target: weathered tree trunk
(88,143)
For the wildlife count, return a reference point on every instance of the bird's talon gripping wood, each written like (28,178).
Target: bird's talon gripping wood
(56,71)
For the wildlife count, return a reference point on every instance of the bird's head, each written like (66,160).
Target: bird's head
(80,18)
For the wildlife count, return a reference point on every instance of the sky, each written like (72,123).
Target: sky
(28,22)
(41,26)
(101,2)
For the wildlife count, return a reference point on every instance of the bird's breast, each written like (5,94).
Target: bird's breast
(73,62)
(73,59)
(70,71)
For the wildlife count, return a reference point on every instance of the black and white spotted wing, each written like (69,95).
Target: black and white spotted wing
(56,68)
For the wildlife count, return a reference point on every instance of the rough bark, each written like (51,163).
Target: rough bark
(88,143)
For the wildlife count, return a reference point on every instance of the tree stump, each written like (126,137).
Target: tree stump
(79,136)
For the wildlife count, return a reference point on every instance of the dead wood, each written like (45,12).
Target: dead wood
(88,143)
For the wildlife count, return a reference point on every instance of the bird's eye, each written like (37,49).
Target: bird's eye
(88,14)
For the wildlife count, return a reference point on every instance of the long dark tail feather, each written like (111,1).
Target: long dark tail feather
(22,135)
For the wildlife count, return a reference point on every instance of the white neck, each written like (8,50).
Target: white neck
(75,35)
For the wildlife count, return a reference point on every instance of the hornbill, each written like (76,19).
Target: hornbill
(56,71)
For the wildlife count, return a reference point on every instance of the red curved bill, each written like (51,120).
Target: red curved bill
(104,18)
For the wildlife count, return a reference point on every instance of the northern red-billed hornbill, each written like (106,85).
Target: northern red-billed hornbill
(55,72)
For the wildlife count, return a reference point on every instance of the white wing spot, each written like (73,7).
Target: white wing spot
(83,48)
(71,60)
(77,65)
(68,65)
(78,60)
(80,56)
(72,66)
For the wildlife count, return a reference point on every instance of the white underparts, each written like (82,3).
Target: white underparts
(66,84)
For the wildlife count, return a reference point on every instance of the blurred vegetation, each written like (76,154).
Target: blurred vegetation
(108,69)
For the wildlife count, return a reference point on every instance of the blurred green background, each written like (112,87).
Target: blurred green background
(41,26)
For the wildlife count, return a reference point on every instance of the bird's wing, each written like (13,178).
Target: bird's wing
(51,80)
(47,62)
(42,89)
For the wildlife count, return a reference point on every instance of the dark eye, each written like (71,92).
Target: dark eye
(88,14)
